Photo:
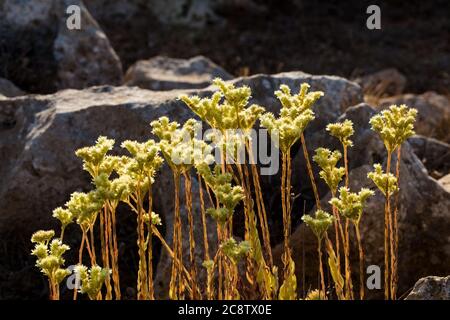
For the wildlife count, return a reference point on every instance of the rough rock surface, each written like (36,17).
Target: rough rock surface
(387,82)
(445,182)
(38,137)
(434,154)
(431,288)
(8,89)
(424,215)
(40,46)
(433,119)
(161,73)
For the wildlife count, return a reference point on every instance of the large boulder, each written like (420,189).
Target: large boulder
(8,89)
(38,137)
(434,154)
(433,119)
(37,44)
(162,73)
(431,288)
(387,82)
(424,215)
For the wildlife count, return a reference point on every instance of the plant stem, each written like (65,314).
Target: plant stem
(209,275)
(348,271)
(361,262)
(80,261)
(387,224)
(115,254)
(262,215)
(394,235)
(310,171)
(188,195)
(322,278)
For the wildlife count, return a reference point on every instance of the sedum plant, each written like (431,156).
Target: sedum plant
(295,114)
(350,205)
(91,280)
(343,131)
(49,260)
(319,225)
(394,125)
(238,269)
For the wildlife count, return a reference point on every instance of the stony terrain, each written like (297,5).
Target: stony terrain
(79,85)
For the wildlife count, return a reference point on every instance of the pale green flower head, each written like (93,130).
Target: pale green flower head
(50,256)
(327,161)
(320,223)
(208,264)
(394,125)
(293,105)
(91,279)
(221,214)
(42,236)
(220,183)
(285,131)
(350,204)
(93,156)
(295,114)
(152,218)
(84,207)
(227,108)
(63,215)
(316,295)
(235,251)
(146,157)
(109,164)
(343,131)
(229,196)
(384,182)
(177,144)
(114,190)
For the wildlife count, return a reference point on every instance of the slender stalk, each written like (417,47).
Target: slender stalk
(337,227)
(361,262)
(209,275)
(91,231)
(262,214)
(171,253)
(104,246)
(193,268)
(285,202)
(176,282)
(80,260)
(115,255)
(394,257)
(387,224)
(348,271)
(151,290)
(142,274)
(310,171)
(322,278)
(51,289)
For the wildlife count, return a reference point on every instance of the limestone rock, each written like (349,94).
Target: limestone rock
(8,89)
(387,82)
(431,288)
(434,154)
(161,73)
(47,55)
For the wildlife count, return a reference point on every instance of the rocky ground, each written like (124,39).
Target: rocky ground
(59,90)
